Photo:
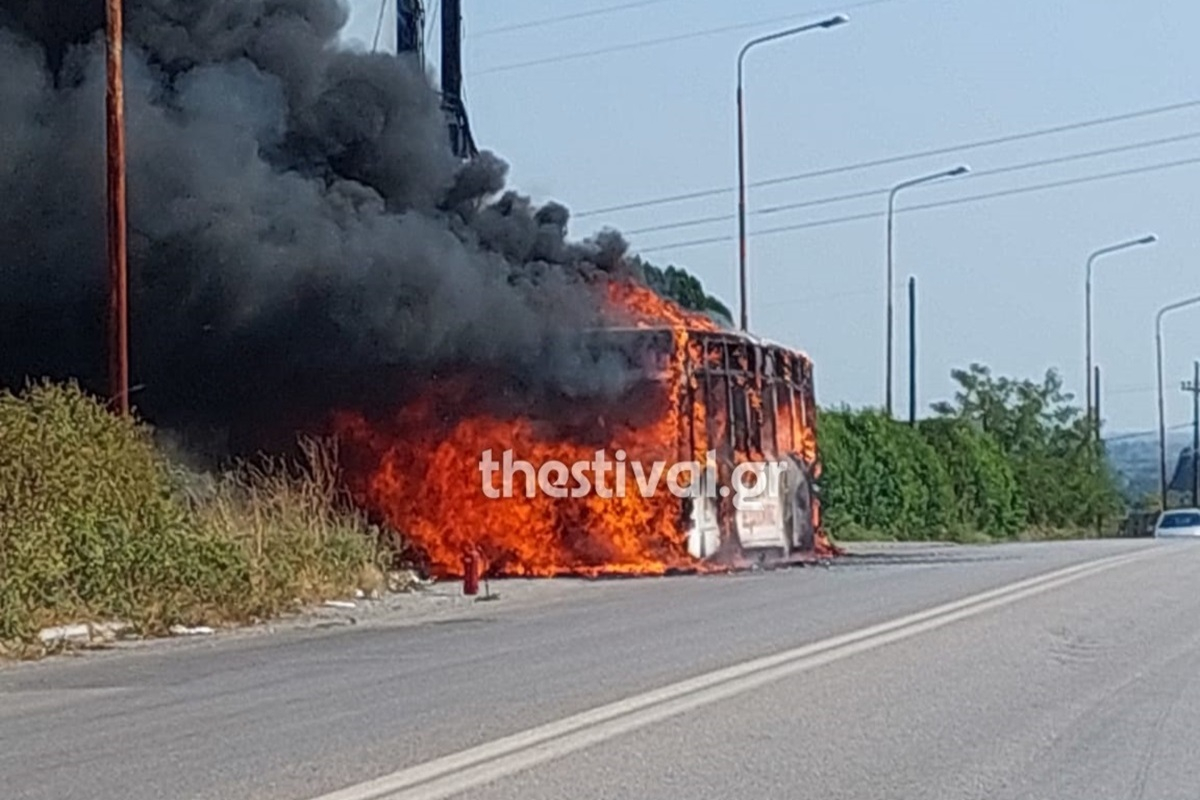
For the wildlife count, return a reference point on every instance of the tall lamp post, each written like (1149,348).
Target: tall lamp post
(891,312)
(1145,240)
(118,276)
(832,22)
(1162,423)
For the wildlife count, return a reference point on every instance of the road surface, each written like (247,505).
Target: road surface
(1064,670)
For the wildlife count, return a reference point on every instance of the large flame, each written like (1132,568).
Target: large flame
(643,307)
(428,484)
(420,469)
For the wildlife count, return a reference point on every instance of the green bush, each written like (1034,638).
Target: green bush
(95,524)
(1004,459)
(91,525)
(1064,478)
(986,493)
(882,476)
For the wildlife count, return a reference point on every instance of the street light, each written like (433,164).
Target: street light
(950,173)
(832,22)
(1145,240)
(1162,424)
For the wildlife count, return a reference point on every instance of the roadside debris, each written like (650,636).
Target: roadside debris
(65,633)
(184,630)
(406,580)
(83,633)
(400,591)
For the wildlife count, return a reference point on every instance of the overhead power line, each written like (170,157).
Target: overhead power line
(1046,162)
(1145,434)
(941,204)
(679,37)
(879,162)
(547,21)
(1131,390)
(379,25)
(809,299)
(431,25)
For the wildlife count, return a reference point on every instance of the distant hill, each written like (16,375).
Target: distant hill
(1135,459)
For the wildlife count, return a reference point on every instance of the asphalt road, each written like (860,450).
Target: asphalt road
(1067,671)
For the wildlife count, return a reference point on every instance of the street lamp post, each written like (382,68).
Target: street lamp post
(832,22)
(1162,423)
(1145,240)
(950,173)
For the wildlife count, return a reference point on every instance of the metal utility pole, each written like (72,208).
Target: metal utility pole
(1162,421)
(1196,435)
(1145,240)
(1099,449)
(118,249)
(891,326)
(912,351)
(1194,389)
(1096,402)
(452,100)
(832,22)
(410,28)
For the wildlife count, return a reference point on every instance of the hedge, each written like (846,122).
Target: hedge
(1005,458)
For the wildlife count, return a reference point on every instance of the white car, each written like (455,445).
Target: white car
(1178,523)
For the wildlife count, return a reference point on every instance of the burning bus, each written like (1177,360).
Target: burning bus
(741,408)
(744,406)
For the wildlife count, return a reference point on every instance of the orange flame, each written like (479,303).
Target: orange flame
(428,484)
(421,471)
(641,306)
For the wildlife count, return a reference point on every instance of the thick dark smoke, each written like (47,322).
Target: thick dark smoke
(300,228)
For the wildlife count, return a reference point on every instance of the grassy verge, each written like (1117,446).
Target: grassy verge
(857,533)
(854,533)
(1064,534)
(97,525)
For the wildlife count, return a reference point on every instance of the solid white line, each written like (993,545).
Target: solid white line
(449,775)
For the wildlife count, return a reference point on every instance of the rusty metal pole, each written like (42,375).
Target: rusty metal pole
(118,255)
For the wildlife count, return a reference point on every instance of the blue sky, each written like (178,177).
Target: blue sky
(1001,281)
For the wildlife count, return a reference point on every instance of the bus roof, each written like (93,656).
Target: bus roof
(722,334)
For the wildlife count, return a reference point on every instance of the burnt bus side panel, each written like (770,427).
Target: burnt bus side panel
(753,404)
(737,401)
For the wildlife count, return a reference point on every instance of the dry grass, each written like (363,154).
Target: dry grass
(301,537)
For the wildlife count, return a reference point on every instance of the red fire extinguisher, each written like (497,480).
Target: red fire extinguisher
(470,563)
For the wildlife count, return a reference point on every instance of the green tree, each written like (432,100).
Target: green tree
(684,288)
(1064,478)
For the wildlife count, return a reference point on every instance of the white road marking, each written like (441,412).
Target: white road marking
(458,772)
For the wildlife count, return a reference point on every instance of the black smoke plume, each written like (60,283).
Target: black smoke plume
(300,231)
